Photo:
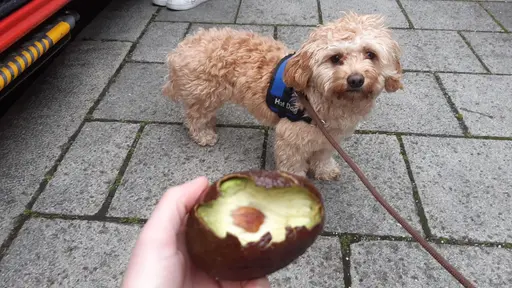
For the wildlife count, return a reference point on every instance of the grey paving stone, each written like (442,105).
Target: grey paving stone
(160,38)
(420,108)
(436,50)
(35,128)
(293,36)
(350,208)
(165,156)
(320,266)
(86,173)
(502,12)
(62,253)
(217,11)
(332,10)
(493,49)
(278,12)
(456,15)
(136,94)
(264,30)
(464,185)
(484,101)
(117,21)
(402,264)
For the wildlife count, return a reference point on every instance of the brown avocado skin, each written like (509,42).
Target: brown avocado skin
(226,259)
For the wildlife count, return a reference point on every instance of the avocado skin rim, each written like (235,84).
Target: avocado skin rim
(226,259)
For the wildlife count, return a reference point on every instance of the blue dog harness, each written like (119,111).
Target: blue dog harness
(281,99)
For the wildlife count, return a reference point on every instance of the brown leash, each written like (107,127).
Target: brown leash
(455,273)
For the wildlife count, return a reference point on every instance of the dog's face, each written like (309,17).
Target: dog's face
(354,57)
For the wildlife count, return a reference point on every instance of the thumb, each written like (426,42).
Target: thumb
(174,206)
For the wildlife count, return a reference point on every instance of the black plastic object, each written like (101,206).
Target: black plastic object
(9,6)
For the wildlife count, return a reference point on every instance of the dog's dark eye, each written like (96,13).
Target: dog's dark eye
(370,55)
(336,59)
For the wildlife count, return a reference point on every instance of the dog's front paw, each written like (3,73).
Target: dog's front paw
(327,171)
(205,137)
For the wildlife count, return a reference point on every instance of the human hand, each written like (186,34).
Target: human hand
(160,257)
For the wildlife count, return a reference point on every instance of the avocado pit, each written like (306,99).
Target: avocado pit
(248,218)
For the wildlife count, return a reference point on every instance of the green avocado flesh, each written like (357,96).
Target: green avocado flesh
(283,207)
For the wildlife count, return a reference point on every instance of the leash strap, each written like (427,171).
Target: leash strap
(454,272)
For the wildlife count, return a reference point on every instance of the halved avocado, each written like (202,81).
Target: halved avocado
(253,223)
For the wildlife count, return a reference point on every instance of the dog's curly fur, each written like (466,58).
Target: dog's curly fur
(216,66)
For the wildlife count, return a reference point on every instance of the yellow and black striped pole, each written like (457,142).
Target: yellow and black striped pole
(27,56)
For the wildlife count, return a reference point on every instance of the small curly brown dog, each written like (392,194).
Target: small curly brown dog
(342,67)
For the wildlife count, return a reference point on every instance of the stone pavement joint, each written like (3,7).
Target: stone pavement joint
(144,61)
(493,17)
(320,16)
(237,13)
(346,241)
(474,52)
(49,174)
(118,70)
(18,224)
(456,72)
(411,25)
(415,193)
(358,131)
(353,238)
(106,40)
(452,105)
(113,188)
(171,123)
(298,25)
(97,218)
(263,158)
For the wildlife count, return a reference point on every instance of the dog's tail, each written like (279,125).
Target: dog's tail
(168,89)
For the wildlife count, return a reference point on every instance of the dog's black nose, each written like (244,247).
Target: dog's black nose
(355,80)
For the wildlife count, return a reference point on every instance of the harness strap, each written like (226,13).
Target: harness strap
(282,99)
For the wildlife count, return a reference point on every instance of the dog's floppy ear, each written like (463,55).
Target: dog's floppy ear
(298,71)
(394,81)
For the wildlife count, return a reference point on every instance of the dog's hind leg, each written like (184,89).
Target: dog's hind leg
(200,119)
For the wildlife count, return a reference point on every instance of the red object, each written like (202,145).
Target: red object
(25,19)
